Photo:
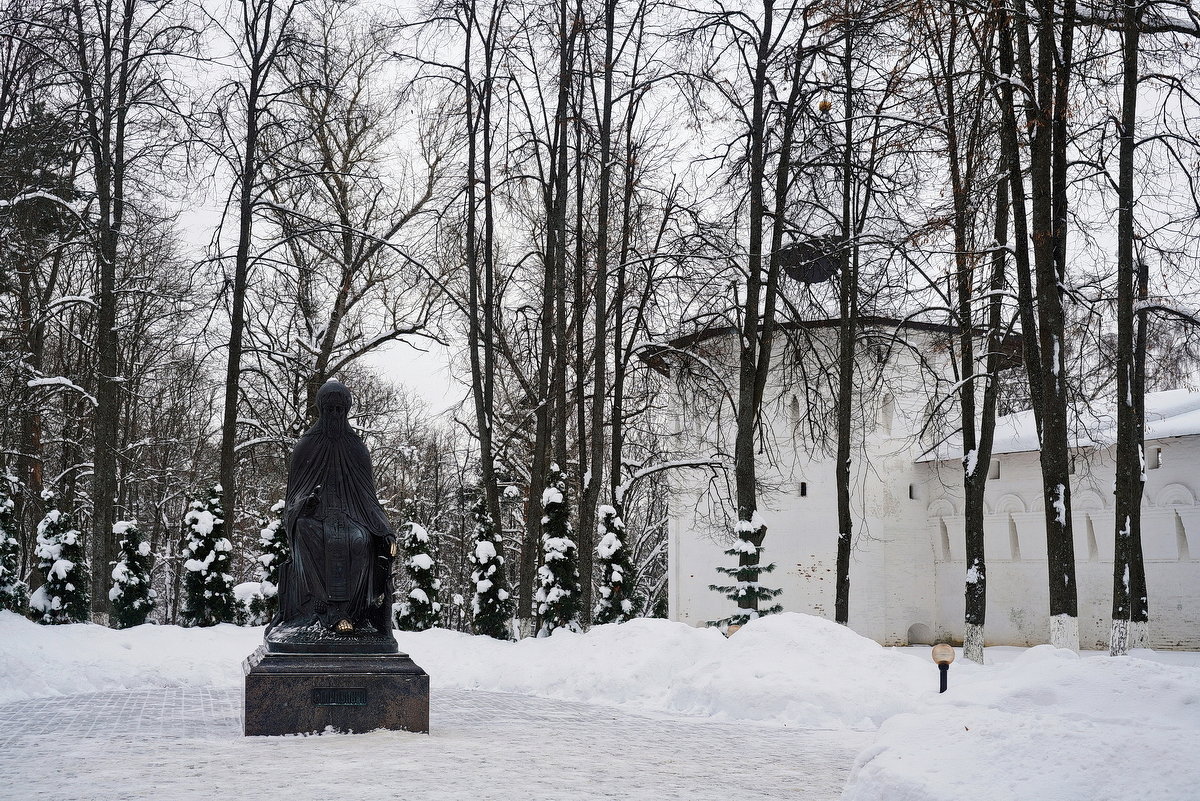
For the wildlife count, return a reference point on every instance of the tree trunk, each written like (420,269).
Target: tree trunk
(1139,611)
(481,334)
(847,329)
(105,97)
(1048,161)
(256,38)
(1046,119)
(1130,456)
(595,475)
(750,527)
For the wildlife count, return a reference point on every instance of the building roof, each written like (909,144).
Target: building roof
(1171,413)
(653,353)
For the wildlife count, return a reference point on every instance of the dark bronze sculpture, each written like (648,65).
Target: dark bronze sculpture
(335,589)
(330,660)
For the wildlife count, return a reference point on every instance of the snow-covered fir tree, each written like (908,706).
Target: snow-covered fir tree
(616,603)
(14,593)
(272,552)
(421,609)
(492,604)
(746,586)
(131,594)
(558,594)
(208,586)
(64,596)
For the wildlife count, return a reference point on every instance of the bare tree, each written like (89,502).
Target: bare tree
(261,34)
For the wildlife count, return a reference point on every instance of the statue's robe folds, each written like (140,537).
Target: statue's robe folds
(338,534)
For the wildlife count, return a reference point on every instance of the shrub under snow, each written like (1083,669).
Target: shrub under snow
(746,590)
(64,596)
(14,593)
(558,593)
(616,603)
(491,603)
(273,552)
(208,586)
(421,609)
(131,595)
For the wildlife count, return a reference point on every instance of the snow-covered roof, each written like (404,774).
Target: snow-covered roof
(1173,413)
(654,353)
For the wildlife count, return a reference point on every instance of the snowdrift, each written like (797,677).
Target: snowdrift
(38,661)
(1049,725)
(1045,724)
(789,669)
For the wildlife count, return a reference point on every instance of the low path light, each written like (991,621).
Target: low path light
(943,654)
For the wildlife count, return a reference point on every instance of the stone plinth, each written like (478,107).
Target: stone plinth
(299,693)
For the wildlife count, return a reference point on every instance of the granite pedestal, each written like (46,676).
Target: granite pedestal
(300,693)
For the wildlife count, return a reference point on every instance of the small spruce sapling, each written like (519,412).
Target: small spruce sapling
(420,610)
(746,590)
(64,596)
(273,552)
(208,587)
(14,593)
(492,604)
(131,594)
(617,602)
(558,595)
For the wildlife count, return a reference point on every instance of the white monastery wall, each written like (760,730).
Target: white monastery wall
(907,566)
(892,558)
(1015,547)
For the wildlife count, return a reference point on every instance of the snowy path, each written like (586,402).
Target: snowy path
(180,744)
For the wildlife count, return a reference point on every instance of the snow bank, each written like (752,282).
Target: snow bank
(1048,725)
(1039,723)
(40,661)
(788,669)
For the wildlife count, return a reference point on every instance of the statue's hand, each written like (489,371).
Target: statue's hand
(392,549)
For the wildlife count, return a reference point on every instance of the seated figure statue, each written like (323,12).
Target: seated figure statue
(335,588)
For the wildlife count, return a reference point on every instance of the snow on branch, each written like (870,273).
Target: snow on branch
(1155,19)
(1188,317)
(251,443)
(68,299)
(712,463)
(61,381)
(38,194)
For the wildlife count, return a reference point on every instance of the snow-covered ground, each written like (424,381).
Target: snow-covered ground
(1034,723)
(1048,724)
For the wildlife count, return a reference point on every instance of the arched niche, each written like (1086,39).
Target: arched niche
(920,634)
(1174,495)
(1087,500)
(1008,504)
(941,508)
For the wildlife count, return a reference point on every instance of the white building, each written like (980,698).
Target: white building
(907,569)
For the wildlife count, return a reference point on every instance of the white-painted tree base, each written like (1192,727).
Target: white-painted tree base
(973,643)
(1139,635)
(1064,632)
(1118,638)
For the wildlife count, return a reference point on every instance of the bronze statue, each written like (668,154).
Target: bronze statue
(335,589)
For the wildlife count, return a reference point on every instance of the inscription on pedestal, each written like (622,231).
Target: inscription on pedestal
(339,696)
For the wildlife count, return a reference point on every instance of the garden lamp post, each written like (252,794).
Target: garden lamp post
(943,654)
